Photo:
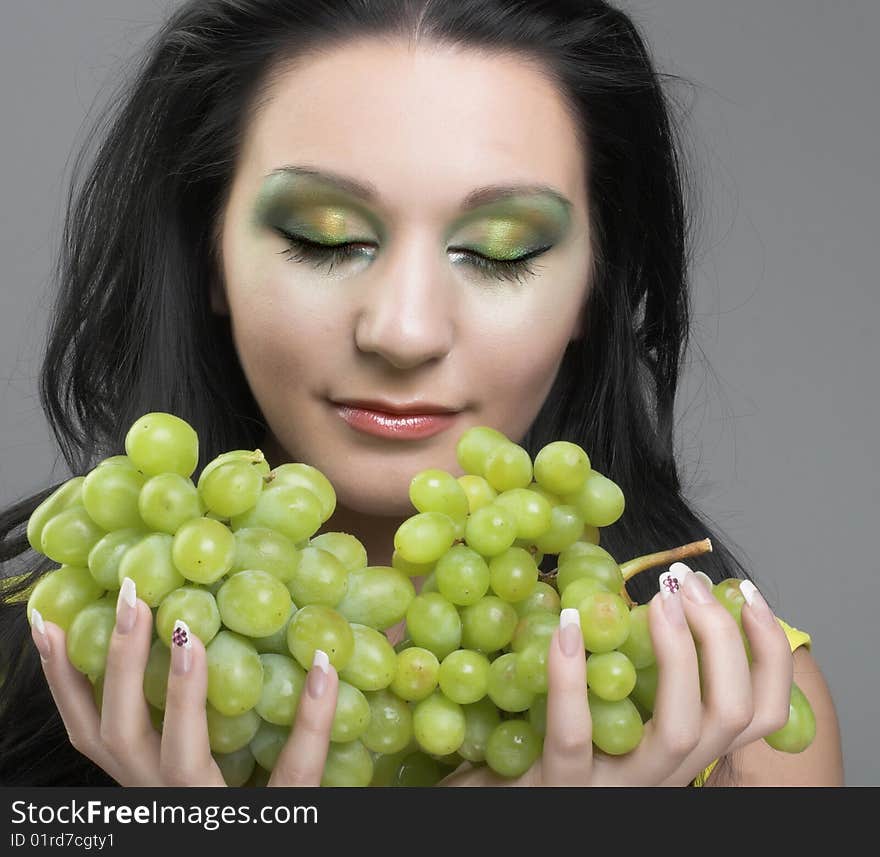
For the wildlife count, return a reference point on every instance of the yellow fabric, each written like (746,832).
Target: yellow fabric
(796,638)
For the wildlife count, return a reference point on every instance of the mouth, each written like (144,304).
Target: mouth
(401,426)
(383,406)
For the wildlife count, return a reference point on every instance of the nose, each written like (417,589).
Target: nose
(407,313)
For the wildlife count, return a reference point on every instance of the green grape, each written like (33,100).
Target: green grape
(378,596)
(235,674)
(479,492)
(531,666)
(513,747)
(291,510)
(254,457)
(604,621)
(417,770)
(59,595)
(352,715)
(474,446)
(424,537)
(526,544)
(265,549)
(462,575)
(391,726)
(549,496)
(565,527)
(348,764)
(345,547)
(418,672)
(436,490)
(438,724)
(507,466)
(433,623)
(562,467)
(228,733)
(267,744)
(488,625)
(196,607)
(149,564)
(319,578)
(162,443)
(68,537)
(532,513)
(236,767)
(800,730)
(606,571)
(373,663)
(429,584)
(203,550)
(412,569)
(167,501)
(318,627)
(283,683)
(259,778)
(385,767)
(543,599)
(538,714)
(254,603)
(504,687)
(480,719)
(579,589)
(645,690)
(611,675)
(581,548)
(599,502)
(513,574)
(299,475)
(110,496)
(156,674)
(638,646)
(729,594)
(89,637)
(64,497)
(533,628)
(276,643)
(464,676)
(231,489)
(617,726)
(490,531)
(118,460)
(105,556)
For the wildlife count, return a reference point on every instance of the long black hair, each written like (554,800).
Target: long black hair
(132,330)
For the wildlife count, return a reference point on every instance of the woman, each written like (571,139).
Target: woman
(476,207)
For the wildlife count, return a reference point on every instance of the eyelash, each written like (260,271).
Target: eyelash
(303,250)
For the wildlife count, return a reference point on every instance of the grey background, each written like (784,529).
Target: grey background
(779,406)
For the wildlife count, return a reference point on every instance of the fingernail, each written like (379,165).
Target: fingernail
(181,648)
(670,592)
(126,606)
(706,579)
(570,639)
(756,601)
(317,679)
(38,632)
(694,587)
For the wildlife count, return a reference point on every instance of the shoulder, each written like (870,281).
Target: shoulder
(821,764)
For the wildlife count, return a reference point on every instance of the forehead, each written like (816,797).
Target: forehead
(425,124)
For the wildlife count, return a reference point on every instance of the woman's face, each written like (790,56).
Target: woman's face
(411,316)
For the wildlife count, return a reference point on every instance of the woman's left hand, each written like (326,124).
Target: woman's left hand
(691,725)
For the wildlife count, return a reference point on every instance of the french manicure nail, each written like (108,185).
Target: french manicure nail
(126,606)
(570,638)
(38,632)
(670,593)
(706,579)
(756,601)
(695,589)
(317,679)
(181,648)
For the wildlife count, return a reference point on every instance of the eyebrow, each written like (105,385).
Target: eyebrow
(480,196)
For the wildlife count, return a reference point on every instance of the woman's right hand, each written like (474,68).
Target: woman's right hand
(121,739)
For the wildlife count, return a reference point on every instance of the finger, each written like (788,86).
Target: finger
(301,761)
(567,758)
(673,731)
(72,692)
(126,729)
(185,757)
(726,682)
(772,668)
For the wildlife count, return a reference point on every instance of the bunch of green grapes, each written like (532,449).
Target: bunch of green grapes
(237,557)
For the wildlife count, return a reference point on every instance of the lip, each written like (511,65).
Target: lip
(385,407)
(400,426)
